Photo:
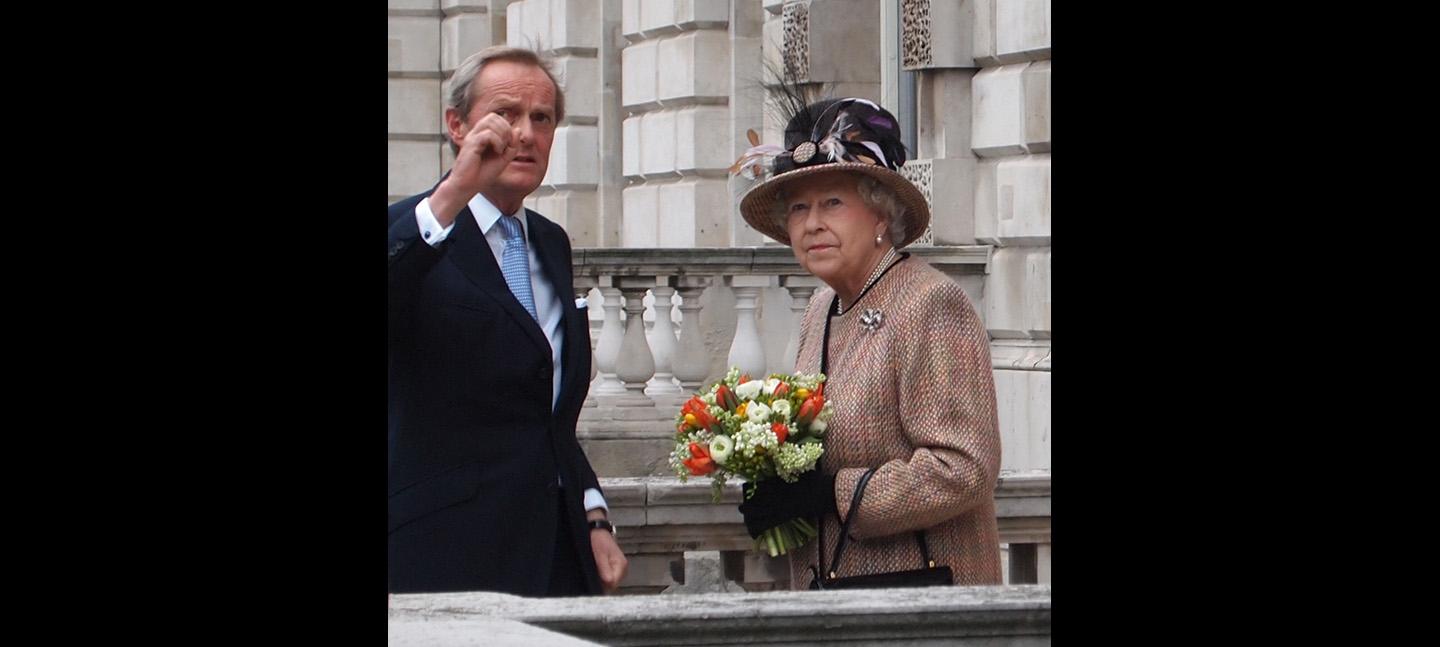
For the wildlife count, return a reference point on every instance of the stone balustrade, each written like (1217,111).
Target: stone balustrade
(947,615)
(642,377)
(659,519)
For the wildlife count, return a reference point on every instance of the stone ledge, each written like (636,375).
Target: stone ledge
(669,261)
(936,615)
(475,633)
(1018,493)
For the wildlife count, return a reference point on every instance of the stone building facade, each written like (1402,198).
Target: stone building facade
(659,96)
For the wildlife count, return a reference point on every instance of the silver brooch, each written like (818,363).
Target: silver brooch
(871,319)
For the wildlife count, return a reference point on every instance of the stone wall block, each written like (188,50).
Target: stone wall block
(943,100)
(952,201)
(415,48)
(639,75)
(984,38)
(414,107)
(575,211)
(1005,294)
(987,224)
(1023,200)
(694,213)
(574,157)
(1023,398)
(701,14)
(574,25)
(844,41)
(657,144)
(1037,293)
(630,158)
(630,19)
(527,24)
(1022,30)
(460,36)
(1035,82)
(697,64)
(657,17)
(702,140)
(414,166)
(580,77)
(997,128)
(641,208)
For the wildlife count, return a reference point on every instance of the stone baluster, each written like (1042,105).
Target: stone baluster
(582,285)
(636,364)
(663,387)
(692,361)
(746,350)
(801,288)
(607,348)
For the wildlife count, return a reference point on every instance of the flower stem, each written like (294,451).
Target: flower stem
(785,537)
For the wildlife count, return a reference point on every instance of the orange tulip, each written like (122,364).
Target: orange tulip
(781,431)
(697,415)
(700,462)
(726,398)
(809,409)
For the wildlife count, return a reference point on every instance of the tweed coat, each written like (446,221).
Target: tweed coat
(915,398)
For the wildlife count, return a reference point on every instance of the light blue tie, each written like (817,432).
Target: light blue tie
(515,264)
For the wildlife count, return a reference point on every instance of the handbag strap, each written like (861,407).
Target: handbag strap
(850,518)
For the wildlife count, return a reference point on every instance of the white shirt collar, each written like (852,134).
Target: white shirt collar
(486,215)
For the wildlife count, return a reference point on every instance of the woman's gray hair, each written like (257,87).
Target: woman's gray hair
(461,95)
(880,198)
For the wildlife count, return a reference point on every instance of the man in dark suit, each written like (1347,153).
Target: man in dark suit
(489,361)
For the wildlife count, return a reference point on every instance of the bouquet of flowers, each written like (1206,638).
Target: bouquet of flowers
(756,430)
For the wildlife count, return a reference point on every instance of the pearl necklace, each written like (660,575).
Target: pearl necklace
(874,276)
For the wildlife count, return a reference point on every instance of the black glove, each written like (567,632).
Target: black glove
(774,501)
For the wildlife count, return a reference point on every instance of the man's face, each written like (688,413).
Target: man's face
(523,95)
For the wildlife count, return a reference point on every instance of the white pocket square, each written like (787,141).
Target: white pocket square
(581,303)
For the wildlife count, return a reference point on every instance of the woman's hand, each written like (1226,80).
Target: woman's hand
(774,501)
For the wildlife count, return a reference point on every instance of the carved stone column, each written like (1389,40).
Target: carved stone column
(801,289)
(692,359)
(662,343)
(746,350)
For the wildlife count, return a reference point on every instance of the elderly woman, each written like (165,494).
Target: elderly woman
(907,358)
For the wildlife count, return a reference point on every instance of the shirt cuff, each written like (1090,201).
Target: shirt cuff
(430,230)
(593,499)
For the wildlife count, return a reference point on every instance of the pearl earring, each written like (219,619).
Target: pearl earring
(877,241)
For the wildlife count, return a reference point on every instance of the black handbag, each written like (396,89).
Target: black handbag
(928,575)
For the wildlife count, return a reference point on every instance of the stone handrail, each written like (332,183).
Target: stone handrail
(946,615)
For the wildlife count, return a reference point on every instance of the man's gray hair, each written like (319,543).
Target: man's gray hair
(461,93)
(880,198)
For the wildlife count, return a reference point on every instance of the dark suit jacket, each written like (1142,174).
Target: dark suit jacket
(474,445)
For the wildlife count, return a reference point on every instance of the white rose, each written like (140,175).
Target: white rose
(770,385)
(749,390)
(757,412)
(817,427)
(720,448)
(781,407)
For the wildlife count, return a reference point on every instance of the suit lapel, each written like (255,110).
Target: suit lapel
(471,253)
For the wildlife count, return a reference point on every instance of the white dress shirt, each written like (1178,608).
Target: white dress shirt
(548,308)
